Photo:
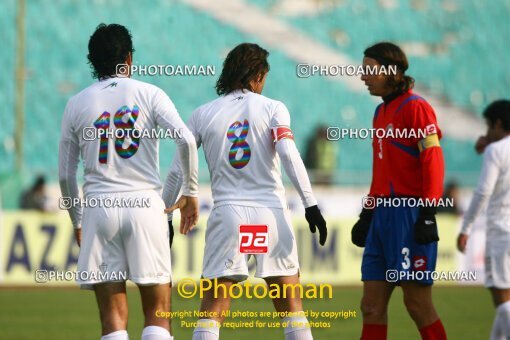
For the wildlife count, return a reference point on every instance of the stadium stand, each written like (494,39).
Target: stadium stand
(173,32)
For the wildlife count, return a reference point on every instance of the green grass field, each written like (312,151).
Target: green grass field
(68,313)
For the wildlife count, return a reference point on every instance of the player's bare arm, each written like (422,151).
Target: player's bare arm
(188,206)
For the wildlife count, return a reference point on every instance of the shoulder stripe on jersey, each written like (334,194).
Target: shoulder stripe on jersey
(415,152)
(413,97)
(377,110)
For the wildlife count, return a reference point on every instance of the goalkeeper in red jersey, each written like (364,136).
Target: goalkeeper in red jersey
(400,240)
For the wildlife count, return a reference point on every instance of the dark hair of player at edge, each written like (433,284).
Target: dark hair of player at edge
(246,62)
(498,110)
(386,53)
(109,46)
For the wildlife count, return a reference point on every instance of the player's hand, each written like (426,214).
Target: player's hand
(77,236)
(481,144)
(188,206)
(316,221)
(360,230)
(171,232)
(425,228)
(462,242)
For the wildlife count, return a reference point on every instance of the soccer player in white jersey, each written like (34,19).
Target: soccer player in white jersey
(245,136)
(493,191)
(117,239)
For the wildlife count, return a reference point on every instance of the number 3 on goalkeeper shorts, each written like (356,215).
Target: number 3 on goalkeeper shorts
(240,152)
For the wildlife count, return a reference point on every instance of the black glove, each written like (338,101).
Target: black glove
(360,230)
(425,228)
(314,218)
(171,230)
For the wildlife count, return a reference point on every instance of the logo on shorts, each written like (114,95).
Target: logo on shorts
(229,263)
(253,239)
(103,267)
(420,262)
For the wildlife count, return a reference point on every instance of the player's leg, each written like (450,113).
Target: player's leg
(280,266)
(155,298)
(377,289)
(501,325)
(374,309)
(418,301)
(497,279)
(297,324)
(113,310)
(101,249)
(214,303)
(414,258)
(145,238)
(223,261)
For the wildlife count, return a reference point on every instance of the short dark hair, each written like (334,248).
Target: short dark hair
(109,46)
(387,53)
(244,63)
(498,110)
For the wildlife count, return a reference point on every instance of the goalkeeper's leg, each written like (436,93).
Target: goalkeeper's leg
(418,301)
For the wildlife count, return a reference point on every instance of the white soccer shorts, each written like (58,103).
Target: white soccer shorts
(129,240)
(497,265)
(222,256)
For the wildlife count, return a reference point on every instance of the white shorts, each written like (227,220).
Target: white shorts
(125,242)
(222,256)
(497,265)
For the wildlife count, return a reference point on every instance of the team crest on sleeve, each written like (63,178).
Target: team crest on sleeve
(431,129)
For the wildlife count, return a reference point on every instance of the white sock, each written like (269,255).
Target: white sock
(207,329)
(297,328)
(496,329)
(504,319)
(156,333)
(117,335)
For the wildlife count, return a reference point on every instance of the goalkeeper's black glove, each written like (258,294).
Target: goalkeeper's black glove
(316,221)
(360,230)
(171,232)
(425,228)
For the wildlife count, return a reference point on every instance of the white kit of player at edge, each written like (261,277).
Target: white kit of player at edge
(493,191)
(244,136)
(122,168)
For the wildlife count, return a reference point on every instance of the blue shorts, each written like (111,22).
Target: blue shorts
(391,253)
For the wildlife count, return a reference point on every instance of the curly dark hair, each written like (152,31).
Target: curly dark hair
(109,46)
(387,53)
(244,63)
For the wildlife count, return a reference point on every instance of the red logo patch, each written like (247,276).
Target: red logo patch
(420,263)
(282,132)
(253,239)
